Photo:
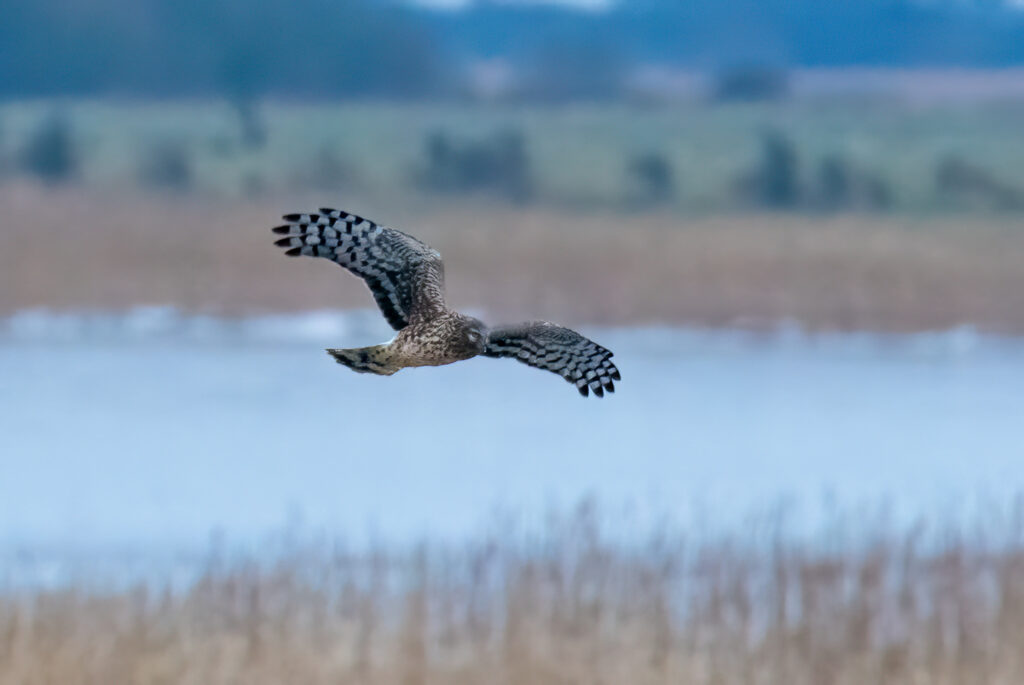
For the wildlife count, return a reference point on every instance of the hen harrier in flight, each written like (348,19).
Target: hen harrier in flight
(406,277)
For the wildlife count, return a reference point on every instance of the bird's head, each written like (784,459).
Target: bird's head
(474,335)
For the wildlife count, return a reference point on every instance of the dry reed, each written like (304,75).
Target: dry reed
(863,603)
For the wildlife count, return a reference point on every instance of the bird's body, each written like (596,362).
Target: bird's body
(406,277)
(443,339)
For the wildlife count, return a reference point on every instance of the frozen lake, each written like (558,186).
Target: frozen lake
(155,428)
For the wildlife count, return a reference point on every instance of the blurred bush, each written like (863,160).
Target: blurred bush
(497,165)
(959,182)
(779,185)
(168,166)
(836,184)
(773,183)
(750,83)
(651,178)
(50,152)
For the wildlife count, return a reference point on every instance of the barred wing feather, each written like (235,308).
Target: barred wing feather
(405,275)
(560,350)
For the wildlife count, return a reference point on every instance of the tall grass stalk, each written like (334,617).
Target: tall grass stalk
(861,603)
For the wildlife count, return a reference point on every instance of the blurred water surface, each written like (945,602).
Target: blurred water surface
(154,428)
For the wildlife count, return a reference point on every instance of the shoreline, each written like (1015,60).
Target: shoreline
(145,324)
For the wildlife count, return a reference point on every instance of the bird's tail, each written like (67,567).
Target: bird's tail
(374,359)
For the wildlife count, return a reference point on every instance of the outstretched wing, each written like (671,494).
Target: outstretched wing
(405,275)
(544,345)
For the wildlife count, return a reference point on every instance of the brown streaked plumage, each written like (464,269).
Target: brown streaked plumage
(406,277)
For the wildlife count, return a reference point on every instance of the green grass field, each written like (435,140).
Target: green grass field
(578,156)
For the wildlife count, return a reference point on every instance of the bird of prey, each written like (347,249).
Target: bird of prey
(406,277)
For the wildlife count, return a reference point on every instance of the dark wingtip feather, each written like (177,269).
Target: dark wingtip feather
(584,390)
(609,386)
(294,252)
(616,376)
(282,229)
(291,217)
(283,242)
(599,391)
(327,210)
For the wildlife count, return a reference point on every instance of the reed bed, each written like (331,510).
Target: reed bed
(71,249)
(570,603)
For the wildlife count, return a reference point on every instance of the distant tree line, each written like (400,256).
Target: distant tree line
(720,33)
(233,48)
(375,48)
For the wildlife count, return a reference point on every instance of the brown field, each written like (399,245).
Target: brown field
(67,249)
(858,604)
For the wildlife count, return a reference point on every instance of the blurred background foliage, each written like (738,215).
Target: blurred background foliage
(367,48)
(801,106)
(798,154)
(460,63)
(898,112)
